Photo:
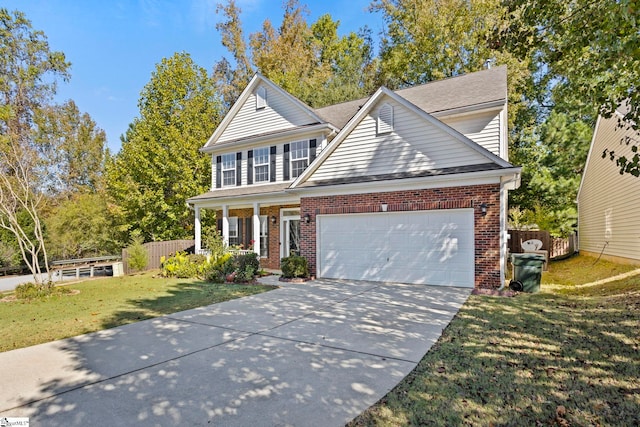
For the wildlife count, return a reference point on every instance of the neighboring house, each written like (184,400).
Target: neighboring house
(608,202)
(405,186)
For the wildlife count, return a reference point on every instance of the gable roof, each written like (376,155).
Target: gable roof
(368,106)
(482,89)
(255,82)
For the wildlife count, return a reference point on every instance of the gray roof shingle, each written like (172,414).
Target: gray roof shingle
(467,90)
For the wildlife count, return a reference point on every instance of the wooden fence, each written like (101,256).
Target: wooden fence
(557,247)
(157,250)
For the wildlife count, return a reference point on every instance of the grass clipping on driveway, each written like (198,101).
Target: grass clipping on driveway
(568,356)
(107,303)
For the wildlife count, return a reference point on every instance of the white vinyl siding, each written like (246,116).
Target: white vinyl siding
(261,165)
(482,128)
(279,114)
(229,169)
(415,145)
(608,203)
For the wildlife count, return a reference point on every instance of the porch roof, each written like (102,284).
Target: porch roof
(258,190)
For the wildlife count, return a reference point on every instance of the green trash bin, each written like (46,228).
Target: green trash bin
(527,270)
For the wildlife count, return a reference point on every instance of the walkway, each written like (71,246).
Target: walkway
(315,354)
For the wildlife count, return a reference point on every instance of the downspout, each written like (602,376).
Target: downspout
(513,183)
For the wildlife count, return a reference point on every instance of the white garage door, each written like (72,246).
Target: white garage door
(428,247)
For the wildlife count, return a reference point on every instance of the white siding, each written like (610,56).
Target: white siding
(279,114)
(482,128)
(608,199)
(414,145)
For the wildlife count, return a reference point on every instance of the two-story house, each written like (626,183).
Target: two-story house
(405,186)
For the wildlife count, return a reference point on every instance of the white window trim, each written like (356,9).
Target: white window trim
(291,159)
(256,165)
(261,98)
(384,122)
(235,165)
(264,219)
(233,228)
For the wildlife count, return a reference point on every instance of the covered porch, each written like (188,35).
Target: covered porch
(267,224)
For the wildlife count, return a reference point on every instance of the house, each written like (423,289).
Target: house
(608,202)
(405,186)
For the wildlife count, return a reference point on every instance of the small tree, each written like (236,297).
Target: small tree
(138,257)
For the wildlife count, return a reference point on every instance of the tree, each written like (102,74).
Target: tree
(309,61)
(80,226)
(28,75)
(587,57)
(77,147)
(229,80)
(159,166)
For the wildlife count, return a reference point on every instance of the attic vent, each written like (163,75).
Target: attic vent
(261,98)
(385,119)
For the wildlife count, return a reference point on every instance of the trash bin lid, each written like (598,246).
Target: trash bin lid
(520,259)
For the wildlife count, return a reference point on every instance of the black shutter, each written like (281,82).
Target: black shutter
(239,242)
(272,160)
(285,166)
(312,150)
(249,232)
(238,169)
(218,171)
(219,223)
(250,167)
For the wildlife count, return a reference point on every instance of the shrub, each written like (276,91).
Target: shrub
(29,291)
(184,266)
(138,257)
(214,242)
(248,260)
(294,266)
(214,276)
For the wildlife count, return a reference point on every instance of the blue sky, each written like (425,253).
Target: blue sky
(113,46)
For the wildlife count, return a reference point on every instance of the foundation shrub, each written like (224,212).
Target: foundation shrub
(294,266)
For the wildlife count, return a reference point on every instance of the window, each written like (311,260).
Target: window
(233,231)
(261,164)
(385,119)
(261,98)
(299,157)
(264,236)
(229,169)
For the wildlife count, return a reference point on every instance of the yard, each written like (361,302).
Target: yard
(107,303)
(566,356)
(569,355)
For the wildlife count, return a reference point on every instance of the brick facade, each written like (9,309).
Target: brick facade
(486,228)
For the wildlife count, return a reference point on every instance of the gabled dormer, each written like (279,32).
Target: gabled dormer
(390,138)
(264,111)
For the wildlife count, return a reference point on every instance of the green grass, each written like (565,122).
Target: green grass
(107,303)
(568,355)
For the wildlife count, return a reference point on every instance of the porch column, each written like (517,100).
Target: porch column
(197,230)
(256,228)
(225,225)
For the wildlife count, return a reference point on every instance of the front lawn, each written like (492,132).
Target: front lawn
(568,356)
(107,303)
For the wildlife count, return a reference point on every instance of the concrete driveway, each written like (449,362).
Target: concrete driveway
(314,354)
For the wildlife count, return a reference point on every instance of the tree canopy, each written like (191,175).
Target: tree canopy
(312,62)
(159,166)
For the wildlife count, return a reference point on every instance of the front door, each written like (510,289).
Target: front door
(291,233)
(292,240)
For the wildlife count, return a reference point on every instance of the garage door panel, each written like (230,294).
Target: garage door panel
(432,247)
